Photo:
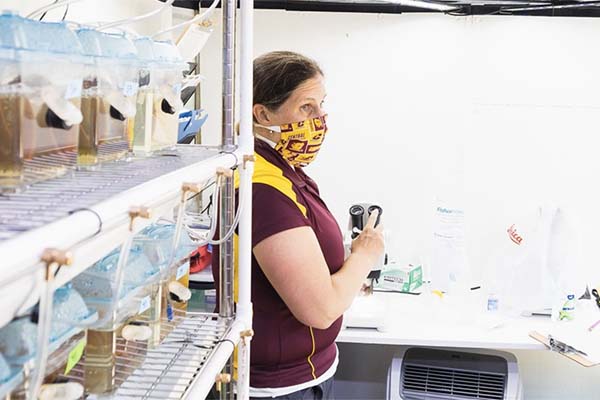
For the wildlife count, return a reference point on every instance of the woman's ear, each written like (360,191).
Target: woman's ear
(261,114)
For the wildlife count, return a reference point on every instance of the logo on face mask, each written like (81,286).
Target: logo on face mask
(301,141)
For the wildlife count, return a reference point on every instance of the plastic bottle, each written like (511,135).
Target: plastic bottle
(566,308)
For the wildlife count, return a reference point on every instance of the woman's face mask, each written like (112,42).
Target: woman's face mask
(300,141)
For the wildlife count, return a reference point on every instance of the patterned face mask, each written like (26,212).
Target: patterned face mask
(301,141)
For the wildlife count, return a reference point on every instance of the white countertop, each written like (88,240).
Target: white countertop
(427,320)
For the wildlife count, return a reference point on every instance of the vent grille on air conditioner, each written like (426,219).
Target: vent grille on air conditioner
(421,373)
(452,384)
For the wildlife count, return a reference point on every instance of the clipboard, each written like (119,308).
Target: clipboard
(578,358)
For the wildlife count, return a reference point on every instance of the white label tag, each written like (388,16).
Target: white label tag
(145,304)
(73,89)
(182,271)
(130,88)
(177,88)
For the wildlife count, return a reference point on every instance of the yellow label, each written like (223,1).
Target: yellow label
(75,355)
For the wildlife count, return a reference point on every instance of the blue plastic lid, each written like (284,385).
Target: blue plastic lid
(90,41)
(107,45)
(50,37)
(145,49)
(11,32)
(117,46)
(165,52)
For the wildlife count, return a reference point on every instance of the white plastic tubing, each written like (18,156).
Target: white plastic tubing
(106,26)
(126,21)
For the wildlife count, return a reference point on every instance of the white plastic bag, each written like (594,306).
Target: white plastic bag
(538,263)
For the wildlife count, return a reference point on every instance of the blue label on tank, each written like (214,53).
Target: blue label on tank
(169,312)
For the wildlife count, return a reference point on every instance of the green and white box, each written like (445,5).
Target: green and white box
(406,278)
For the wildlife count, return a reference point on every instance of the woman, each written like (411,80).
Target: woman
(301,284)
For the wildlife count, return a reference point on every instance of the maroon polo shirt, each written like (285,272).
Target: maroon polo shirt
(284,351)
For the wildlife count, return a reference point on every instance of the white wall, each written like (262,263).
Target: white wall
(98,10)
(498,112)
(501,113)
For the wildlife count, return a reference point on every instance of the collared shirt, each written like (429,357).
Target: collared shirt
(285,352)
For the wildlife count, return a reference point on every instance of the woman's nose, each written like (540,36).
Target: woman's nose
(319,111)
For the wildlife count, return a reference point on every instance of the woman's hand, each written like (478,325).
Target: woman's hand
(369,243)
(293,262)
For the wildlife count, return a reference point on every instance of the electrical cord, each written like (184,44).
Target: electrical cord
(95,214)
(50,7)
(63,17)
(46,12)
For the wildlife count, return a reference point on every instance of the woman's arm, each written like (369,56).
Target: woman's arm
(293,262)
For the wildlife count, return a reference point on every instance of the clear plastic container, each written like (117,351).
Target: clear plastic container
(110,92)
(87,149)
(138,288)
(156,241)
(68,310)
(18,340)
(52,68)
(10,377)
(11,103)
(142,126)
(55,366)
(4,369)
(97,285)
(167,76)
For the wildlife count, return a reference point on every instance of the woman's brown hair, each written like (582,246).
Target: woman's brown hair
(277,74)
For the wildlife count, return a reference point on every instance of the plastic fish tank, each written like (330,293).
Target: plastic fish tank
(51,78)
(40,86)
(18,339)
(167,76)
(110,93)
(142,126)
(98,285)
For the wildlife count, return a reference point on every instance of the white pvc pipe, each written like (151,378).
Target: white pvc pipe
(246,145)
(215,363)
(246,138)
(23,252)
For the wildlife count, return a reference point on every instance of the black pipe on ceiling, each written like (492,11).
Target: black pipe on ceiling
(580,10)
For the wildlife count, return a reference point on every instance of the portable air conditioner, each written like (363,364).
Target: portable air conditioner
(434,374)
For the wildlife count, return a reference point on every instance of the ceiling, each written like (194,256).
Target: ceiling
(547,8)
